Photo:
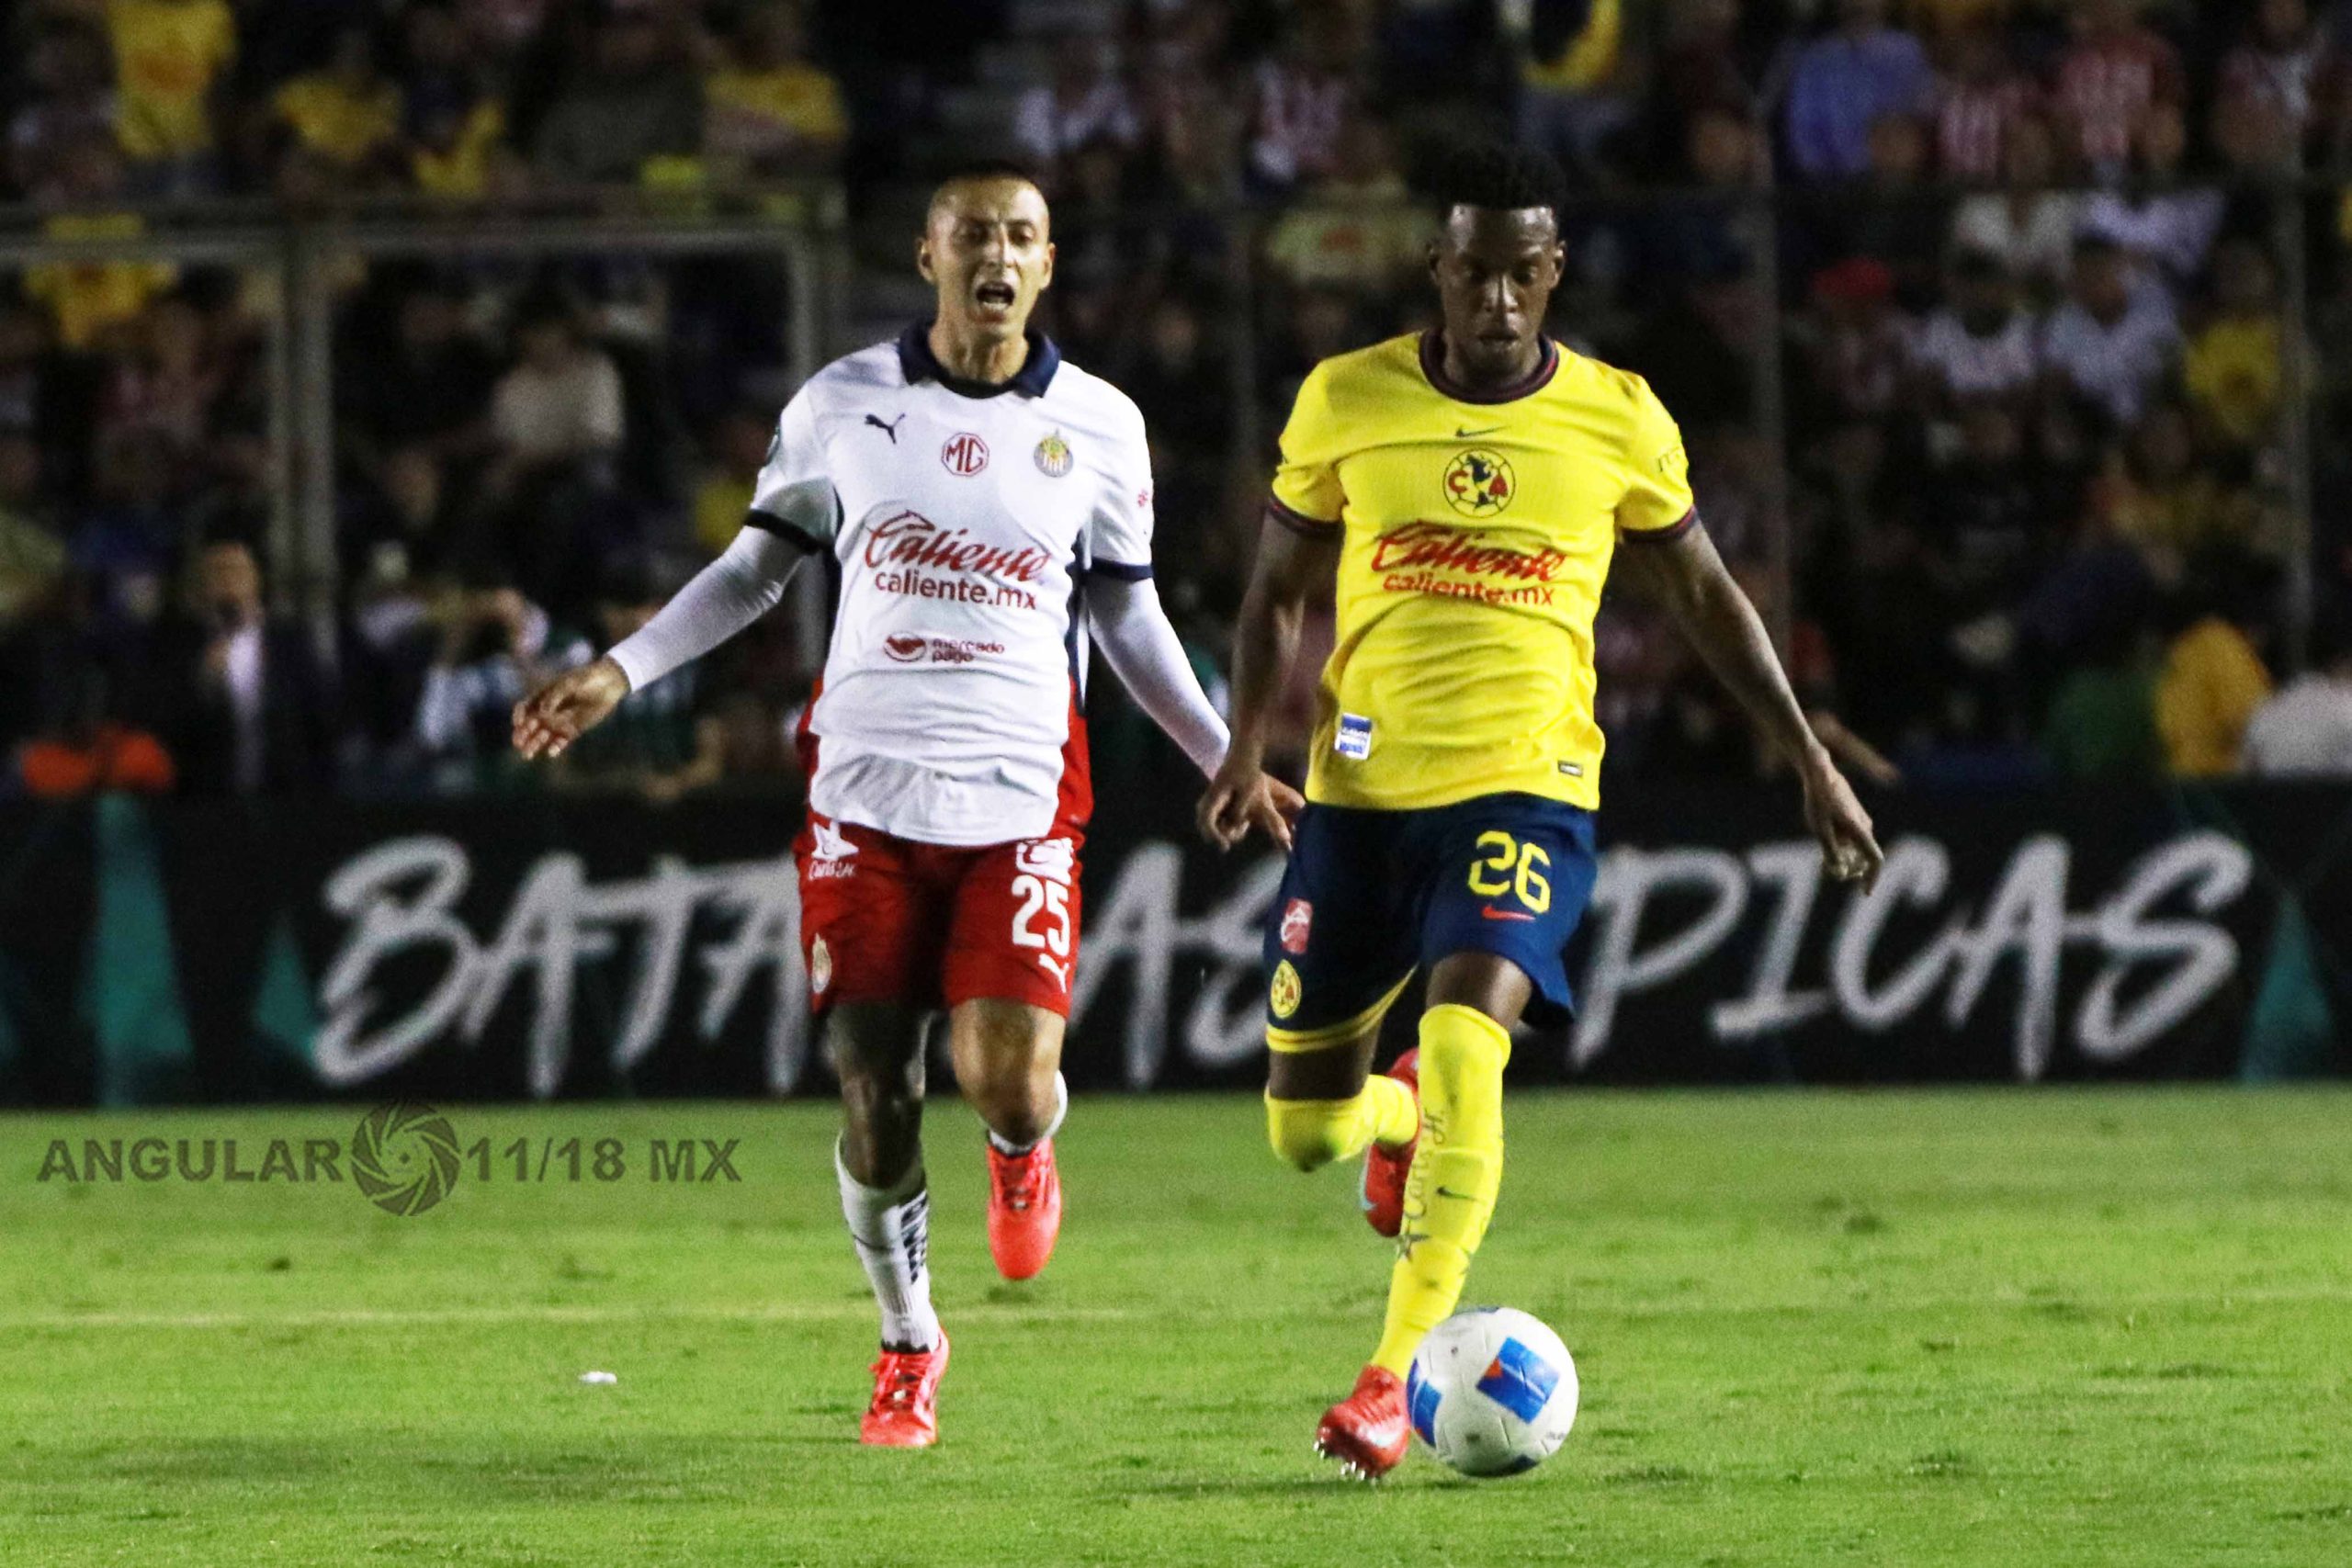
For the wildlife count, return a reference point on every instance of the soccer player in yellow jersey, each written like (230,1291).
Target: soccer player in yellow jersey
(1469,488)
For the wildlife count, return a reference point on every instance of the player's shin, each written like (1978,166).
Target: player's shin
(891,1227)
(1457,1174)
(1309,1134)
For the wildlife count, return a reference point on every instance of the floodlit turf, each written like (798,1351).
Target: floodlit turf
(2024,1329)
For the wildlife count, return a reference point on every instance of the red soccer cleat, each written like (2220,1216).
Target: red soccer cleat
(1024,1210)
(1385,1169)
(1367,1431)
(905,1412)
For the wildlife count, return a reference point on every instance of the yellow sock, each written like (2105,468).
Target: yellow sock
(1312,1133)
(1457,1173)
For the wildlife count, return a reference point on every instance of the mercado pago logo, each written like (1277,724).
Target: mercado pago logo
(1171,966)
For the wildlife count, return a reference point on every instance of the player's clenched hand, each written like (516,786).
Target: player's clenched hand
(1243,795)
(568,707)
(1850,850)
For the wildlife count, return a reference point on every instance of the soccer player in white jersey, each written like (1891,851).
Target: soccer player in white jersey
(986,504)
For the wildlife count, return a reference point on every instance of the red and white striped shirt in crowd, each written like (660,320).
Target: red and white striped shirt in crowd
(1973,123)
(2105,85)
(1298,117)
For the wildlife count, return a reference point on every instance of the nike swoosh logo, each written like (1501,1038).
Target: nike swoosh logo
(1491,913)
(1460,1196)
(1467,435)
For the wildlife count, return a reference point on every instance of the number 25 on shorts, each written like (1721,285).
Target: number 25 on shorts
(1509,866)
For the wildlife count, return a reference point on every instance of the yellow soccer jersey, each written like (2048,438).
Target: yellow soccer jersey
(1474,534)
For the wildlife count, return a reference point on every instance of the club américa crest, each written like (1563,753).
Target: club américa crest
(1479,483)
(1053,456)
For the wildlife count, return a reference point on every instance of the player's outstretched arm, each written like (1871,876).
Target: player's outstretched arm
(1292,566)
(741,585)
(1686,578)
(1132,629)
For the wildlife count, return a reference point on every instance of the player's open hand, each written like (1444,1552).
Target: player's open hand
(568,707)
(1243,797)
(1849,850)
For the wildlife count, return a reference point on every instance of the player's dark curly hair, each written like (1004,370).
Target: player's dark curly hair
(1500,175)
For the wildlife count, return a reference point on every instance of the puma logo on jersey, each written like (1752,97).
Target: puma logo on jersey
(890,430)
(1058,967)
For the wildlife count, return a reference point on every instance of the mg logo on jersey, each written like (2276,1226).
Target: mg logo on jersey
(965,454)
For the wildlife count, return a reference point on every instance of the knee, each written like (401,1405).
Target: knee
(1305,1132)
(1015,1108)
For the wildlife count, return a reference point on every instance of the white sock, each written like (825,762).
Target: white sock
(1061,1109)
(892,1230)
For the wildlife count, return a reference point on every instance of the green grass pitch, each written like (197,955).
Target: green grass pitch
(2019,1329)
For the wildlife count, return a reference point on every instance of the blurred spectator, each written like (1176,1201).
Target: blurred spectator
(770,111)
(128,537)
(71,102)
(2102,727)
(428,387)
(1355,227)
(655,744)
(2284,65)
(2167,227)
(1705,68)
(1980,104)
(2028,227)
(2213,679)
(92,752)
(88,298)
(634,106)
(347,113)
(32,556)
(2232,367)
(556,421)
(168,386)
(2167,505)
(452,125)
(2115,338)
(1084,101)
(2115,71)
(738,450)
(1846,80)
(2305,731)
(1299,99)
(1574,79)
(247,708)
(1979,346)
(560,405)
(169,57)
(1854,340)
(496,648)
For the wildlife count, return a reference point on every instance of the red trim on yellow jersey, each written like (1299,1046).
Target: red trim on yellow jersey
(1662,535)
(1535,380)
(1299,522)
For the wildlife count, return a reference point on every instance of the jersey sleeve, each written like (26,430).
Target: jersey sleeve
(1657,504)
(1118,536)
(1307,486)
(794,495)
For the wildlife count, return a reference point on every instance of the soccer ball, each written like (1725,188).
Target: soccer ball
(1493,1392)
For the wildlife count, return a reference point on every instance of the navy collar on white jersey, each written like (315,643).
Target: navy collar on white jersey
(1036,373)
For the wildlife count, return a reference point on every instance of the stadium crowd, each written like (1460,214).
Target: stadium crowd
(2017,282)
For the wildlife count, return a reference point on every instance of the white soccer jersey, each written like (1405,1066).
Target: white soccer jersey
(963,519)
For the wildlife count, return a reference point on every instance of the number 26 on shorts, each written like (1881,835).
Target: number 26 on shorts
(1512,866)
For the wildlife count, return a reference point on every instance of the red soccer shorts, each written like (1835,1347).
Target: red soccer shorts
(886,920)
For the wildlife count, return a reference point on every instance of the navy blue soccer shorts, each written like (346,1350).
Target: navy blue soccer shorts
(1371,896)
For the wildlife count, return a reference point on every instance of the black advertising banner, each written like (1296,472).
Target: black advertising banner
(531,949)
